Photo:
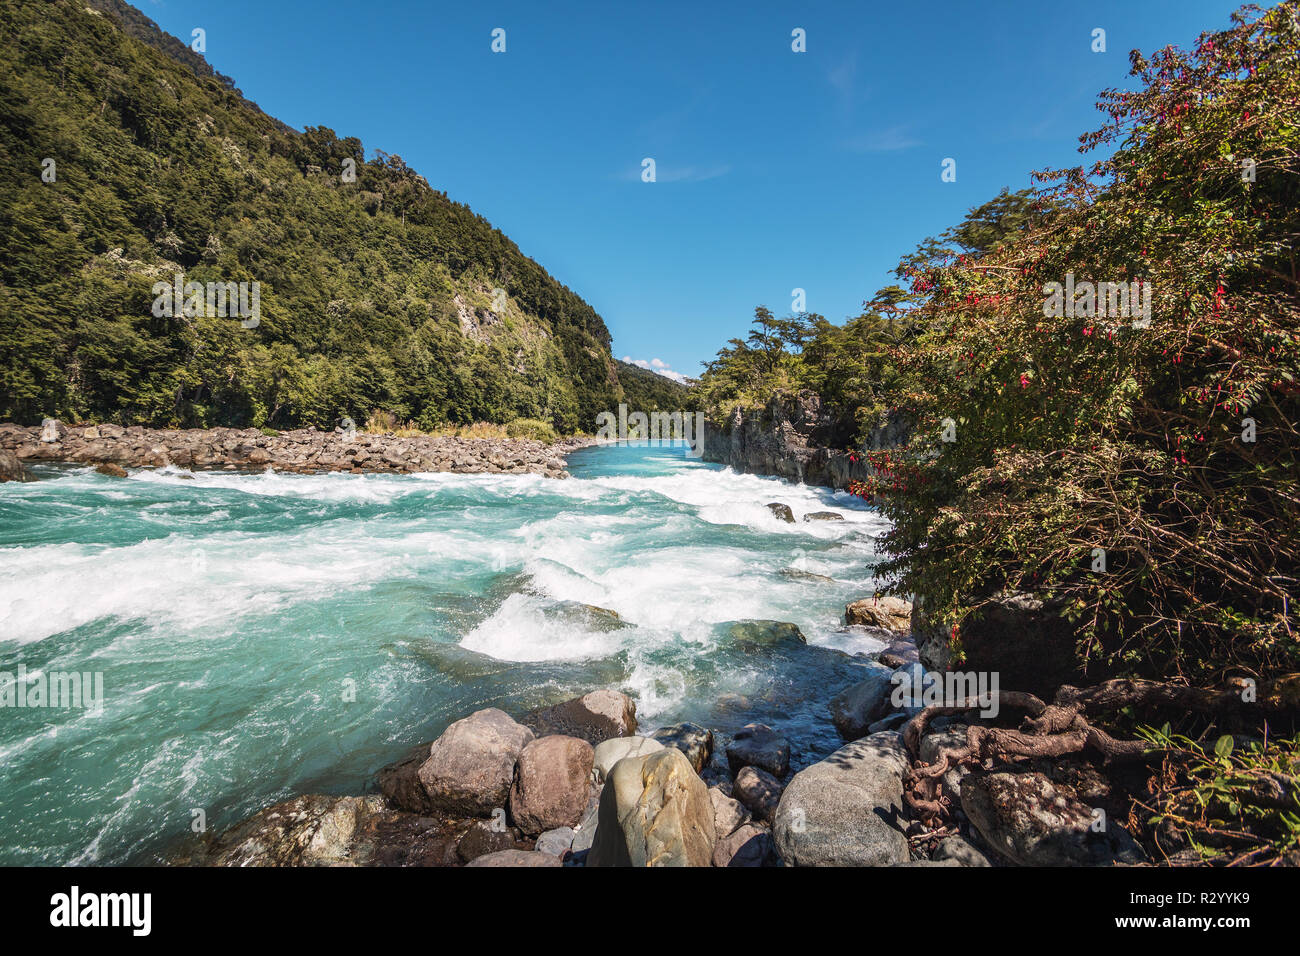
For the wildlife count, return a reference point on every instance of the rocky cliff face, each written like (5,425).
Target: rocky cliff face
(791,437)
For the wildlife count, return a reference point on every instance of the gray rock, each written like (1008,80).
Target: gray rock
(823,516)
(1023,818)
(889,722)
(758,745)
(694,741)
(556,842)
(610,752)
(857,707)
(585,831)
(846,810)
(472,765)
(957,849)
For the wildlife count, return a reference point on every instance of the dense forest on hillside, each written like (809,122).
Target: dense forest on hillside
(377,292)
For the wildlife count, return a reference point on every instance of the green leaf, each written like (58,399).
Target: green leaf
(1223,746)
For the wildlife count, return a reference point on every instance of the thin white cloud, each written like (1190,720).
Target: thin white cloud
(658,366)
(883,140)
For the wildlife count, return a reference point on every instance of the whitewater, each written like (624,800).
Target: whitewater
(265,635)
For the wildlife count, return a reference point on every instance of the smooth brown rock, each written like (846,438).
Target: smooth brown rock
(472,765)
(552,780)
(890,613)
(593,717)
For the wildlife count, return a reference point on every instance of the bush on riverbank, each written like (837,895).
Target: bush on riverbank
(1147,475)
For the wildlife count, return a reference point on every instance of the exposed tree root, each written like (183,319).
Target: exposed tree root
(1055,730)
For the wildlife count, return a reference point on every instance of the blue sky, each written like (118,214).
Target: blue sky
(776,170)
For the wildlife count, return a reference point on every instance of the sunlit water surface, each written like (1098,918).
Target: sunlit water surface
(231,615)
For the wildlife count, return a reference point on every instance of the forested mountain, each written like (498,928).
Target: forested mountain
(377,292)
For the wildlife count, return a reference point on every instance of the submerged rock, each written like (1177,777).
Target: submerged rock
(594,717)
(846,810)
(111,470)
(781,511)
(764,633)
(823,516)
(654,811)
(471,767)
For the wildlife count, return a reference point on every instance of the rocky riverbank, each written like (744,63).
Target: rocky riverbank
(114,448)
(577,784)
(792,437)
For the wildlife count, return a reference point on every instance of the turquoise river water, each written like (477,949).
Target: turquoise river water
(265,635)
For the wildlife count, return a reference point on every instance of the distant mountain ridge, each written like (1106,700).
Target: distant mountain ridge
(377,292)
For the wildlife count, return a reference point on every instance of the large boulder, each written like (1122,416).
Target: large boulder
(846,810)
(594,717)
(694,741)
(552,778)
(764,634)
(471,766)
(316,830)
(654,811)
(1025,819)
(11,469)
(610,752)
(891,613)
(758,745)
(857,707)
(1026,641)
